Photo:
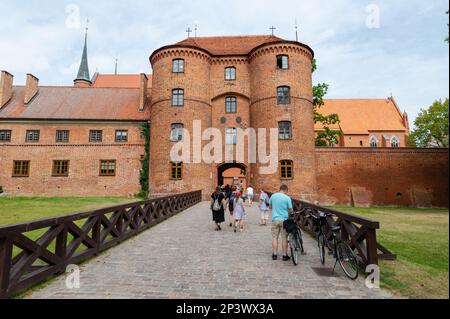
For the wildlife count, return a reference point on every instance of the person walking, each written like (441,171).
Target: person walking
(250,195)
(217,207)
(231,200)
(264,207)
(239,212)
(281,205)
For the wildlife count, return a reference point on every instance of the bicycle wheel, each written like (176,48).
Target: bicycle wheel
(294,249)
(347,260)
(321,243)
(300,241)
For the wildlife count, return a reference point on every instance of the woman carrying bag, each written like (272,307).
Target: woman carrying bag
(217,207)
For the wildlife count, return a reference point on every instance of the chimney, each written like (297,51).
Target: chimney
(6,84)
(143,92)
(31,88)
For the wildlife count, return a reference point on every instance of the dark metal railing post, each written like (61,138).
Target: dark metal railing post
(6,250)
(371,244)
(61,248)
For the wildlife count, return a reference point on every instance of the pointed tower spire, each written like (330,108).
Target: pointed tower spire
(83,79)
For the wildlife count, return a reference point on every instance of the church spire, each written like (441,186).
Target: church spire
(83,78)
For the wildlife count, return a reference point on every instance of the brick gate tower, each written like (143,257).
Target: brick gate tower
(258,82)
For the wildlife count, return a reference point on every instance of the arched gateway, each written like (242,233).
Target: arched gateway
(232,173)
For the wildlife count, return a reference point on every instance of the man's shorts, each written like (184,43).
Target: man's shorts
(277,228)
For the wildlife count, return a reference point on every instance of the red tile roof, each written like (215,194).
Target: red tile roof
(127,81)
(360,116)
(229,45)
(70,103)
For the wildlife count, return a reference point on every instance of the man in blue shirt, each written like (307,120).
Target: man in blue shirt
(281,205)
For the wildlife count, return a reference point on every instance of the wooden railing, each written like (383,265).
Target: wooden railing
(61,241)
(359,233)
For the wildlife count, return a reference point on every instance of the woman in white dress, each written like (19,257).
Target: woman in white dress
(239,212)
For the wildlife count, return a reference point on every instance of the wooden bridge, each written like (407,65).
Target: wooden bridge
(180,258)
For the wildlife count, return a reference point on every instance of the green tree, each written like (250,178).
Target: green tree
(327,137)
(431,126)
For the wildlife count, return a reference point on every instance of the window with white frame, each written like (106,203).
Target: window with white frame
(176,132)
(373,142)
(231,136)
(395,142)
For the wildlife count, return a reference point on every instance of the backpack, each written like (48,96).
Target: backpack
(232,197)
(217,206)
(290,226)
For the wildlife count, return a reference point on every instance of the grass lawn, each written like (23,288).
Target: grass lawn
(420,239)
(24,209)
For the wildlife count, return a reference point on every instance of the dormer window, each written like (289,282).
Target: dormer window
(230,73)
(282,62)
(178,66)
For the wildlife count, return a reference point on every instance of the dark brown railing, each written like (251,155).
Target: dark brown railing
(359,232)
(72,239)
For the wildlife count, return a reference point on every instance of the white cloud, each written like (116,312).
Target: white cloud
(406,55)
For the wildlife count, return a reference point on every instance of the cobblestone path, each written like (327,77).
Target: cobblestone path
(184,257)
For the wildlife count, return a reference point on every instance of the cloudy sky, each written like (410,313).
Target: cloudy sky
(365,49)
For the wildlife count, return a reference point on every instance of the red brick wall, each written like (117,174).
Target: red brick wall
(84,157)
(390,176)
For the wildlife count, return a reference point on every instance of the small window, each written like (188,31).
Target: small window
(230,104)
(282,62)
(284,130)
(176,170)
(286,169)
(5,135)
(121,136)
(395,142)
(360,143)
(95,136)
(230,73)
(178,97)
(21,169)
(107,167)
(283,95)
(60,168)
(231,136)
(32,136)
(62,136)
(178,66)
(373,142)
(176,132)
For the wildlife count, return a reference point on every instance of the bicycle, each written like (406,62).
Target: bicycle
(340,250)
(295,240)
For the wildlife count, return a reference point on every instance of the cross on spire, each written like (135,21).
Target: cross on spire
(272,28)
(195,31)
(188,31)
(296,30)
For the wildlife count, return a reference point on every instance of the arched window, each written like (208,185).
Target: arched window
(178,66)
(286,169)
(230,104)
(177,97)
(395,142)
(284,130)
(373,142)
(176,132)
(282,62)
(230,73)
(284,95)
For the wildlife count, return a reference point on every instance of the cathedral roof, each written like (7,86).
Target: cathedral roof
(71,103)
(83,71)
(361,116)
